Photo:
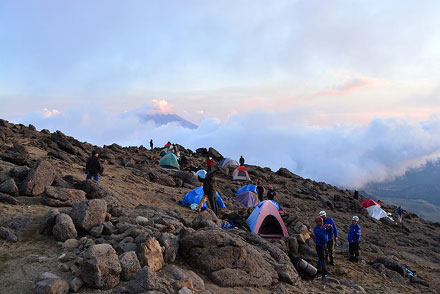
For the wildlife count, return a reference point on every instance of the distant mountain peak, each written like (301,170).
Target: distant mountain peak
(162,119)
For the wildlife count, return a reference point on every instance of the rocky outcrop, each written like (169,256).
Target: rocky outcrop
(88,214)
(93,190)
(215,154)
(392,264)
(61,197)
(41,176)
(101,268)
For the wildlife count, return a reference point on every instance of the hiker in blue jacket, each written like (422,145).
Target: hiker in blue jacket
(332,237)
(354,237)
(321,238)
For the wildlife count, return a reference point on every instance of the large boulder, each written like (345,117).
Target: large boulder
(61,197)
(186,177)
(149,252)
(88,214)
(64,228)
(19,172)
(130,265)
(147,281)
(214,154)
(9,187)
(173,272)
(284,172)
(8,235)
(8,199)
(170,243)
(392,264)
(228,259)
(52,284)
(48,223)
(93,189)
(101,268)
(206,219)
(38,178)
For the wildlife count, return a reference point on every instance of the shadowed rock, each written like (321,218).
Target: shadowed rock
(38,178)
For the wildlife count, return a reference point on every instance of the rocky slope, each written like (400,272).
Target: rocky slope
(59,233)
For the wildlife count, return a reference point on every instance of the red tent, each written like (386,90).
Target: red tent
(369,202)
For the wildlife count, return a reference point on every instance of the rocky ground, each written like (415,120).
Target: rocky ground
(60,233)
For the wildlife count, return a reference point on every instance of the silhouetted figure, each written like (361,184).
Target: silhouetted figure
(210,190)
(260,191)
(399,213)
(151,144)
(94,167)
(271,193)
(241,160)
(356,194)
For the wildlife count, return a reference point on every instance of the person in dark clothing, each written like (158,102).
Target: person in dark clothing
(151,144)
(209,163)
(260,191)
(94,167)
(210,190)
(332,237)
(399,213)
(241,160)
(183,161)
(321,238)
(271,193)
(356,194)
(354,237)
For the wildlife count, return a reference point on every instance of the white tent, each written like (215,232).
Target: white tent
(376,212)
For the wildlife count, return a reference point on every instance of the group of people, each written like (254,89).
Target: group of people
(270,195)
(326,235)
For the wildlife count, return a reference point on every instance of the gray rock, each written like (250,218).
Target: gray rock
(206,219)
(64,228)
(147,280)
(71,243)
(48,223)
(185,290)
(101,268)
(130,265)
(171,244)
(52,286)
(142,221)
(8,235)
(38,178)
(88,214)
(214,154)
(9,187)
(19,172)
(8,199)
(173,272)
(75,284)
(96,231)
(391,264)
(93,190)
(59,197)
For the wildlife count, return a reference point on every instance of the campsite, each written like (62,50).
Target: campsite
(137,225)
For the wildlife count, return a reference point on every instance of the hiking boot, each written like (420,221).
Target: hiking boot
(351,258)
(324,274)
(332,262)
(356,258)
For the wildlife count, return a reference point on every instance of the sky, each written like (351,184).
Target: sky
(340,91)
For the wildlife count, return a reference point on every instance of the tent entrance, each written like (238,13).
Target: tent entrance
(270,227)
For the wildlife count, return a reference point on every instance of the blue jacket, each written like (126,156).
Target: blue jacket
(321,236)
(333,230)
(354,233)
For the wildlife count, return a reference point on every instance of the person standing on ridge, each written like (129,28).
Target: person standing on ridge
(209,163)
(399,213)
(332,237)
(321,238)
(260,191)
(94,167)
(271,193)
(151,144)
(210,190)
(241,160)
(354,237)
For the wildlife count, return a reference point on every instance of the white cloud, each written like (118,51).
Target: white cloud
(341,155)
(48,113)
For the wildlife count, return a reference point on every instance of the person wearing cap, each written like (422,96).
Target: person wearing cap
(209,163)
(260,191)
(271,193)
(354,237)
(94,167)
(320,233)
(332,237)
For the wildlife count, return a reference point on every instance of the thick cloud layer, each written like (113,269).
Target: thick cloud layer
(340,155)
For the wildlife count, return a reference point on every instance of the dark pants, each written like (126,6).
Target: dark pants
(353,248)
(95,177)
(320,250)
(329,250)
(213,202)
(260,196)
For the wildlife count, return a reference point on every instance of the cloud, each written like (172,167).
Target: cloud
(162,106)
(350,85)
(48,113)
(341,155)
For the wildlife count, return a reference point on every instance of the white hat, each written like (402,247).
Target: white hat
(322,213)
(355,218)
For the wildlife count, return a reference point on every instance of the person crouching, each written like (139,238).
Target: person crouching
(321,238)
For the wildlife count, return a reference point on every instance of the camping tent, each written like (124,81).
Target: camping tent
(251,188)
(227,162)
(241,174)
(376,212)
(266,221)
(248,199)
(201,173)
(194,196)
(369,202)
(169,161)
